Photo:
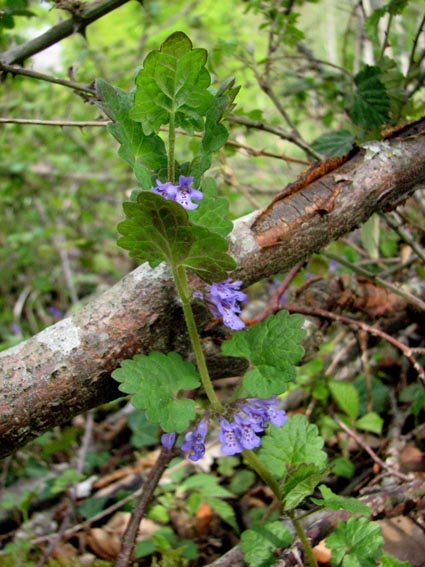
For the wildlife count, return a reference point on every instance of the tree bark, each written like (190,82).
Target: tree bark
(66,368)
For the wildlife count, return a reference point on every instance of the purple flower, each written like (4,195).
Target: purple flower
(168,440)
(181,193)
(15,328)
(248,430)
(55,312)
(194,441)
(185,193)
(167,190)
(230,436)
(223,298)
(265,410)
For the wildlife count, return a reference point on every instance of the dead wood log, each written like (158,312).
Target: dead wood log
(65,369)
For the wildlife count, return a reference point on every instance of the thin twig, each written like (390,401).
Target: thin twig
(276,130)
(316,312)
(369,451)
(124,558)
(395,223)
(77,23)
(17,70)
(274,303)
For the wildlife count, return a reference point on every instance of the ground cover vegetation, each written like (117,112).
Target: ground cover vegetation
(252,392)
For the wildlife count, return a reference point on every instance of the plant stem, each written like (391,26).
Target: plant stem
(180,278)
(171,147)
(255,463)
(303,539)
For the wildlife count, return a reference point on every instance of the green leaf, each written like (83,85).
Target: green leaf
(173,83)
(370,422)
(216,134)
(296,443)
(260,543)
(356,542)
(154,382)
(299,484)
(207,256)
(225,511)
(273,347)
(146,154)
(371,104)
(390,561)
(343,467)
(213,211)
(206,485)
(335,143)
(346,396)
(157,229)
(336,502)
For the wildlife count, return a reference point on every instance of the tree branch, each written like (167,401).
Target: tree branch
(66,368)
(77,23)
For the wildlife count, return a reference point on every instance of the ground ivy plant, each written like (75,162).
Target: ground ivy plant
(178,217)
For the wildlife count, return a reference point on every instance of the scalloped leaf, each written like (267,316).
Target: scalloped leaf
(356,542)
(173,83)
(300,483)
(260,543)
(154,382)
(158,230)
(296,442)
(146,154)
(272,347)
(213,211)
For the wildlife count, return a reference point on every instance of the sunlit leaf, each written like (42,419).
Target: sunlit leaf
(273,347)
(154,382)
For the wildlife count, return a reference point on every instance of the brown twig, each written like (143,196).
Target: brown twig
(129,538)
(77,23)
(316,312)
(351,433)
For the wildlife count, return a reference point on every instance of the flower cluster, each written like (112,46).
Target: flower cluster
(223,301)
(252,417)
(182,193)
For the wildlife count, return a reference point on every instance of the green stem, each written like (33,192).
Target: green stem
(303,539)
(255,463)
(184,293)
(171,147)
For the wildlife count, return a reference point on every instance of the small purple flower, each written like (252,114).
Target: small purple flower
(16,329)
(182,193)
(168,440)
(194,441)
(267,410)
(230,435)
(166,190)
(55,312)
(185,193)
(248,430)
(223,298)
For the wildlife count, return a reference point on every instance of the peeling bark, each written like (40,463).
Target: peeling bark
(66,368)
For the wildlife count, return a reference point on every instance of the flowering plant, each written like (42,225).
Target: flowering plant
(185,225)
